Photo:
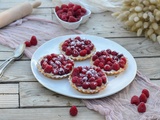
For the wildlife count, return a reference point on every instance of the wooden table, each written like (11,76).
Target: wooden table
(23,97)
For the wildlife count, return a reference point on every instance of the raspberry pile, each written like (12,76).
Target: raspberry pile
(88,77)
(140,101)
(70,12)
(77,47)
(109,60)
(56,64)
(32,42)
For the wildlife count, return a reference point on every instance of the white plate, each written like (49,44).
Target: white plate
(115,84)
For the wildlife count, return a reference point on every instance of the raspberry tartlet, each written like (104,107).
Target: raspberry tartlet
(77,48)
(55,66)
(88,79)
(110,61)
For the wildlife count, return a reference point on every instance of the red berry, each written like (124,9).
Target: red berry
(27,43)
(48,69)
(93,85)
(143,98)
(76,7)
(135,100)
(33,40)
(101,65)
(107,67)
(146,92)
(83,52)
(116,66)
(85,85)
(73,111)
(141,107)
(72,19)
(99,82)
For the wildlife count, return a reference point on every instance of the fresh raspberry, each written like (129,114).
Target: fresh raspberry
(107,67)
(27,43)
(76,7)
(135,100)
(99,82)
(33,40)
(73,111)
(72,19)
(93,85)
(101,65)
(116,66)
(143,98)
(85,85)
(146,92)
(141,107)
(83,52)
(48,69)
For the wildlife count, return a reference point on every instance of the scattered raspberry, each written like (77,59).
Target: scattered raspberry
(146,92)
(143,98)
(141,107)
(27,43)
(33,40)
(135,100)
(73,111)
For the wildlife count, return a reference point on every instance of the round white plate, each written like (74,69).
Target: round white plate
(115,83)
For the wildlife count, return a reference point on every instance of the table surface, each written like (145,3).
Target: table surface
(23,97)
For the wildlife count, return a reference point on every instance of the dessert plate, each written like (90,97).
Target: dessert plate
(115,83)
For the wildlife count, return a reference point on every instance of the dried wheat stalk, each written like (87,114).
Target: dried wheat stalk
(142,17)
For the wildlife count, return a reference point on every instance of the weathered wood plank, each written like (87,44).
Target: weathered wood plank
(149,67)
(9,101)
(33,94)
(48,114)
(18,71)
(8,88)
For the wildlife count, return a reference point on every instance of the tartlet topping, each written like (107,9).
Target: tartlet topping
(88,79)
(54,65)
(77,48)
(110,61)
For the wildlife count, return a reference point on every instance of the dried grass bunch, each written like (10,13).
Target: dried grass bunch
(142,17)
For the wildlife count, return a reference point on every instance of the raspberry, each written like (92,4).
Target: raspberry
(72,19)
(146,92)
(135,100)
(48,69)
(73,111)
(141,107)
(101,65)
(85,85)
(27,43)
(143,98)
(99,82)
(83,52)
(33,40)
(93,85)
(116,66)
(107,67)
